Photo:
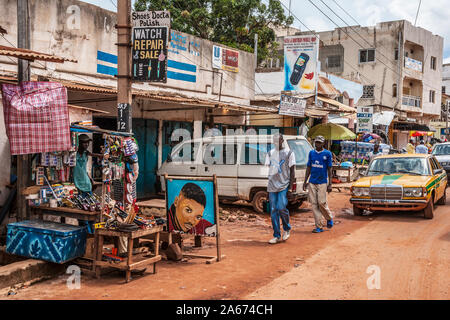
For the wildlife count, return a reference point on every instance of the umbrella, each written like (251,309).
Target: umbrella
(331,131)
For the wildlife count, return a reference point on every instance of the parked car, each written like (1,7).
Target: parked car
(406,182)
(442,153)
(238,163)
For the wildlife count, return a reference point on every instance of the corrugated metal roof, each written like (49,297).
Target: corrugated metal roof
(31,55)
(326,88)
(341,107)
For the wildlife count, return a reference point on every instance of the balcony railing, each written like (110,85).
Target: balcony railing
(413,64)
(411,101)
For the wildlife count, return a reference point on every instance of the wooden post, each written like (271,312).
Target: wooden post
(23,161)
(123,27)
(216,216)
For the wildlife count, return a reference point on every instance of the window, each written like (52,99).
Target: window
(220,154)
(396,54)
(443,89)
(333,61)
(368,92)
(366,55)
(432,94)
(186,153)
(255,153)
(301,149)
(433,63)
(394,91)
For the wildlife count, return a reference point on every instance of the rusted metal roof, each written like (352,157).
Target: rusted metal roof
(31,55)
(326,88)
(82,87)
(340,106)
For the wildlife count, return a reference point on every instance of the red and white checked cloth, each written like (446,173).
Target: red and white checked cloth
(36,117)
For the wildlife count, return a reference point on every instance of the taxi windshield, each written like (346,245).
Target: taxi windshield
(409,165)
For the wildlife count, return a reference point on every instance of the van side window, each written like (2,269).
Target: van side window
(255,153)
(187,153)
(218,153)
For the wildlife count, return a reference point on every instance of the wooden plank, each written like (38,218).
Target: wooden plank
(129,259)
(142,263)
(132,234)
(189,178)
(216,215)
(67,210)
(191,255)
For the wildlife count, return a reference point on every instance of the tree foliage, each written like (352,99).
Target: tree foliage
(230,22)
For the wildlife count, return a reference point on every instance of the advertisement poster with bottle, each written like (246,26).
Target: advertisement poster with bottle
(300,63)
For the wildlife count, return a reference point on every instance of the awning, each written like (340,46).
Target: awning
(408,126)
(326,88)
(31,55)
(315,113)
(341,107)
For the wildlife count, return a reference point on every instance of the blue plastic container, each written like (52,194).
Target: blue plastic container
(44,240)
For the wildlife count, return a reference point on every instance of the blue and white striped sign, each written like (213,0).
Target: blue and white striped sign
(106,63)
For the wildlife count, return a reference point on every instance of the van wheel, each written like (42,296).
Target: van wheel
(258,201)
(428,211)
(357,211)
(442,201)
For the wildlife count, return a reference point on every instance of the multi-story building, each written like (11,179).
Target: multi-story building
(399,65)
(446,78)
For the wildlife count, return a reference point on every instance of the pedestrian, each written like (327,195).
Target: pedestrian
(281,162)
(410,147)
(421,148)
(376,151)
(318,171)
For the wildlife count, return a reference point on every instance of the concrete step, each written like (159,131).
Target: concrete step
(26,270)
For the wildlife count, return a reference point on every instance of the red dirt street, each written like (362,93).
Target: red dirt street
(412,255)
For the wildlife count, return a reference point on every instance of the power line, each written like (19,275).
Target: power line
(417,14)
(360,44)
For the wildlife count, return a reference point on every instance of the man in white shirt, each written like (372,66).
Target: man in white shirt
(421,148)
(281,164)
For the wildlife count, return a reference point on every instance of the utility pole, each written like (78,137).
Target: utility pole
(23,161)
(124,95)
(256,51)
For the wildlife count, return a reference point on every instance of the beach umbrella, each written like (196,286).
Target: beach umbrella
(331,131)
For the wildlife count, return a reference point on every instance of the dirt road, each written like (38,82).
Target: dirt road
(413,256)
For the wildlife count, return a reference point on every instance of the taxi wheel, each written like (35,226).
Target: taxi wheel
(443,200)
(357,211)
(428,211)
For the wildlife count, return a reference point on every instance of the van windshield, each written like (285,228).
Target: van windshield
(301,149)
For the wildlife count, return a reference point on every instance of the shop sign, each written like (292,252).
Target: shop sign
(292,106)
(124,117)
(149,56)
(225,59)
(150,18)
(364,119)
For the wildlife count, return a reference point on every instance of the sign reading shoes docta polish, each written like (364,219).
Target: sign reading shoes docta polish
(150,37)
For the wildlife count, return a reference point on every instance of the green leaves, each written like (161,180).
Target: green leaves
(229,22)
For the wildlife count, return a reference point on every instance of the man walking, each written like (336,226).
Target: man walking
(421,148)
(319,168)
(281,164)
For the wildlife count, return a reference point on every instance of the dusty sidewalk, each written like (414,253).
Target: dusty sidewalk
(413,255)
(250,262)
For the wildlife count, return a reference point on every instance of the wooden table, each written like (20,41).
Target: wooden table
(65,212)
(349,171)
(128,264)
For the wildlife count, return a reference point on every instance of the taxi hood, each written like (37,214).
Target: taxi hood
(405,180)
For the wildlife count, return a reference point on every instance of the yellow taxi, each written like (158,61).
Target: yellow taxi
(400,182)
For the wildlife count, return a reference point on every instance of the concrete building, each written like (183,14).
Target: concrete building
(446,78)
(399,66)
(195,96)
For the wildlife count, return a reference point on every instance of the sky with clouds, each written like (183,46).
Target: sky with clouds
(433,14)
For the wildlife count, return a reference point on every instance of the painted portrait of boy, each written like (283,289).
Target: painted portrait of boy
(186,213)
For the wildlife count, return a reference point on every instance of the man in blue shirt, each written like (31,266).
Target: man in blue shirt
(319,173)
(421,148)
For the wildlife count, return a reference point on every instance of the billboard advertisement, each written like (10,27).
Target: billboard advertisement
(300,63)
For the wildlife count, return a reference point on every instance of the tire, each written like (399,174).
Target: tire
(258,200)
(295,205)
(428,212)
(442,201)
(357,211)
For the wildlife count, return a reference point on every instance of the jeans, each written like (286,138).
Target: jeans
(278,202)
